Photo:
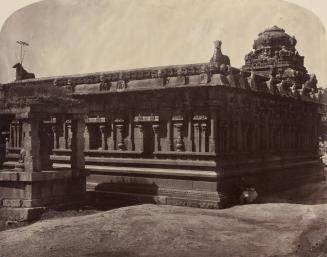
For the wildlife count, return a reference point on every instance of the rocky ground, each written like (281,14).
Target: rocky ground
(292,224)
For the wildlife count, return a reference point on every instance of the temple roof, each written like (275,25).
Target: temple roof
(274,36)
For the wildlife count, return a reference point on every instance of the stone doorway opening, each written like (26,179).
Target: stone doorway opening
(148,140)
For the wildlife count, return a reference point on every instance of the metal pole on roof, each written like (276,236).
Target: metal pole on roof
(22,44)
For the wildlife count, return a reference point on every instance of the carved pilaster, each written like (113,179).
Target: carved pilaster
(120,137)
(141,137)
(7,145)
(156,131)
(77,144)
(213,132)
(87,137)
(111,141)
(180,141)
(169,136)
(131,143)
(69,137)
(31,147)
(55,136)
(16,135)
(61,134)
(10,135)
(103,137)
(203,137)
(196,136)
(190,135)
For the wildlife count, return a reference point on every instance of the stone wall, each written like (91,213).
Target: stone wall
(192,135)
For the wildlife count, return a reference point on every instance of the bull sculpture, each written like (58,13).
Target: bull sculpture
(21,73)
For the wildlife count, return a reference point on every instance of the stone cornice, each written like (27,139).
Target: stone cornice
(189,75)
(131,74)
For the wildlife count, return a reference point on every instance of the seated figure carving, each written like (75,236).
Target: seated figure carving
(310,86)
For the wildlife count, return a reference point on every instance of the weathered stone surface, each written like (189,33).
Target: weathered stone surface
(21,214)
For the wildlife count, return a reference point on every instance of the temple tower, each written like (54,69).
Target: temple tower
(274,51)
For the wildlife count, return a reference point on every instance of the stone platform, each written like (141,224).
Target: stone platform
(25,195)
(179,183)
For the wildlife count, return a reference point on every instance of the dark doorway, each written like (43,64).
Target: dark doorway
(4,136)
(148,141)
(46,146)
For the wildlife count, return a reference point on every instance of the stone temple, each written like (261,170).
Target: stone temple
(194,135)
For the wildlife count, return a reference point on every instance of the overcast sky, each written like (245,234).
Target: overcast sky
(80,36)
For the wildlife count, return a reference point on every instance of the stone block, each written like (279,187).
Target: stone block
(146,83)
(21,214)
(14,203)
(177,81)
(205,186)
(9,176)
(32,203)
(193,203)
(175,183)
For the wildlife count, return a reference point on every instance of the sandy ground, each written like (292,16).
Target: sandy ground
(283,228)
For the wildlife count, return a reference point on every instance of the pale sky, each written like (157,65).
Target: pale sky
(185,32)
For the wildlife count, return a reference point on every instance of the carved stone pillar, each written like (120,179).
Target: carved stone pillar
(141,137)
(111,143)
(19,135)
(156,131)
(86,137)
(31,146)
(15,135)
(180,140)
(131,133)
(213,132)
(103,137)
(196,137)
(69,137)
(55,136)
(203,137)
(10,135)
(190,137)
(169,136)
(61,134)
(120,137)
(77,144)
(7,145)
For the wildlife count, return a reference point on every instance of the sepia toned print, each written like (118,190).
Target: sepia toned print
(85,132)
